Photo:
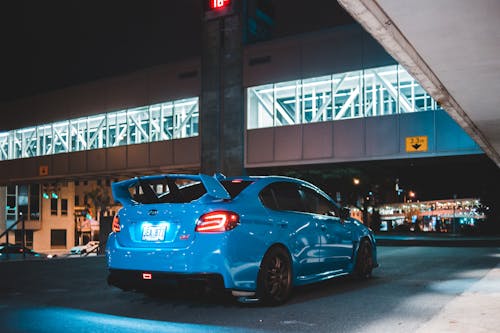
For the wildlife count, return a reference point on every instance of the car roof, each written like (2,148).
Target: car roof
(259,182)
(264,178)
(262,181)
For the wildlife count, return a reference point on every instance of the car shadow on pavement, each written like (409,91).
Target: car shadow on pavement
(332,287)
(189,294)
(197,295)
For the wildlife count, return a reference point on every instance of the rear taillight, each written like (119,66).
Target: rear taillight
(116,224)
(217,221)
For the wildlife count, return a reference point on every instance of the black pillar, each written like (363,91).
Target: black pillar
(222,98)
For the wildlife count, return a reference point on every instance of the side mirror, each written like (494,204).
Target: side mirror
(345,213)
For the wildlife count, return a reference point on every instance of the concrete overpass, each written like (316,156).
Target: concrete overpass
(452,48)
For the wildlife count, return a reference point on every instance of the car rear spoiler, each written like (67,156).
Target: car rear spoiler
(122,194)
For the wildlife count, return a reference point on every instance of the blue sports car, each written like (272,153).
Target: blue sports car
(255,236)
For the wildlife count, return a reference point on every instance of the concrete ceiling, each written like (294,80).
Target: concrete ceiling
(453,48)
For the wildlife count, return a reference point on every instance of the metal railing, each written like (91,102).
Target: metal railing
(23,232)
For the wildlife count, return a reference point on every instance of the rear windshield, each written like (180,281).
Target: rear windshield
(178,190)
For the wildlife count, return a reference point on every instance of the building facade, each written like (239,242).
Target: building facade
(325,97)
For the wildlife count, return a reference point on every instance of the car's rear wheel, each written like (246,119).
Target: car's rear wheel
(275,277)
(364,260)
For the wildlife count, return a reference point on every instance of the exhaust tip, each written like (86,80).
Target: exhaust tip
(241,293)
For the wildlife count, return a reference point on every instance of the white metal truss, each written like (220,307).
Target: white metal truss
(369,92)
(164,121)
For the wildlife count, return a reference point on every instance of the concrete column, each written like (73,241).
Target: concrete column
(3,204)
(222,98)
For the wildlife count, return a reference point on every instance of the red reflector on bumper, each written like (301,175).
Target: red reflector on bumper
(147,276)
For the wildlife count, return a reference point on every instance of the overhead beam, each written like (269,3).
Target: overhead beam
(373,18)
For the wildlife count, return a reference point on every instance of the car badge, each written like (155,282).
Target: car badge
(153,212)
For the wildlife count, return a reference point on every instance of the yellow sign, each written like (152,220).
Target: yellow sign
(415,144)
(43,170)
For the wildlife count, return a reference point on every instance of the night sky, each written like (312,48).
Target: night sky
(50,44)
(54,44)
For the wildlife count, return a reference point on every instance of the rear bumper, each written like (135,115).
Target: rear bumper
(207,259)
(140,280)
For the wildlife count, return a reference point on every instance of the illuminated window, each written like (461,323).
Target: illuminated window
(22,199)
(158,122)
(364,93)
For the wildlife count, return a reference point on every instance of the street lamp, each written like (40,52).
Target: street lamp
(356,181)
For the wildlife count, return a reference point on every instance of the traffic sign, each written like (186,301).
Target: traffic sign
(416,144)
(43,170)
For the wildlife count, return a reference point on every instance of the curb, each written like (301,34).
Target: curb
(443,241)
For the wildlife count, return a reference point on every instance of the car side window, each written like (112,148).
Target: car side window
(316,203)
(282,196)
(268,198)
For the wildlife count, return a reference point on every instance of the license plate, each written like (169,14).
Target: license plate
(153,233)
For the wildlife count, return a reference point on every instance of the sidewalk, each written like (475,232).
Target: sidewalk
(476,310)
(423,239)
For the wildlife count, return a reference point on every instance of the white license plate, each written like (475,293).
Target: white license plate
(153,233)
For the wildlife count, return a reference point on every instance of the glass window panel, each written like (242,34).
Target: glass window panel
(138,120)
(316,99)
(96,127)
(369,92)
(285,103)
(60,137)
(122,128)
(34,202)
(64,207)
(155,122)
(53,206)
(260,106)
(4,146)
(58,238)
(163,121)
(22,199)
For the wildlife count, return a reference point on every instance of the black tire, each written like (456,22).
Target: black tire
(364,260)
(274,285)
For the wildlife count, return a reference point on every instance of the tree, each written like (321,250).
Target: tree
(101,201)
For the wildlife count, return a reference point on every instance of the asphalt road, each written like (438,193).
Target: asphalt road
(409,288)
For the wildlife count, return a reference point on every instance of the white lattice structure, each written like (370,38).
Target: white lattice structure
(369,92)
(164,121)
